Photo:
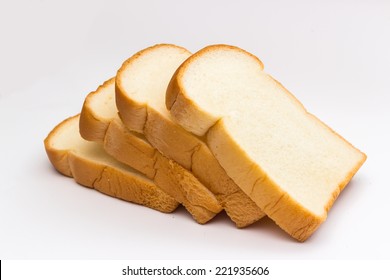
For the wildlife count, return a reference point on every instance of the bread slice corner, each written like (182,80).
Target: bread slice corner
(90,166)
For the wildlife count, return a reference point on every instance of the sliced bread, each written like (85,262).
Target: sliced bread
(90,166)
(141,84)
(288,161)
(99,122)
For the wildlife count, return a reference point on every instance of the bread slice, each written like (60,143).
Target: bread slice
(92,167)
(141,84)
(99,122)
(288,161)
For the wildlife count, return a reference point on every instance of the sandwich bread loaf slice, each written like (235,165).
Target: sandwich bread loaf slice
(99,122)
(90,166)
(288,161)
(141,84)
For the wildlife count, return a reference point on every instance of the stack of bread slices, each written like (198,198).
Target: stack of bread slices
(211,131)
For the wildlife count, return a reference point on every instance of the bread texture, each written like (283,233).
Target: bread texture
(141,84)
(90,166)
(99,122)
(288,161)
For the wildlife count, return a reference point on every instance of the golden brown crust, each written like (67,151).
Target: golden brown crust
(242,210)
(132,113)
(182,185)
(174,87)
(107,179)
(124,146)
(116,183)
(189,151)
(168,175)
(182,107)
(58,158)
(135,118)
(89,119)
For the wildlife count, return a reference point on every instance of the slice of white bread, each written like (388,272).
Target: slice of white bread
(99,122)
(90,166)
(141,84)
(289,162)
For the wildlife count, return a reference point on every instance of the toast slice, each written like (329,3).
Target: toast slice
(141,84)
(288,161)
(99,122)
(90,166)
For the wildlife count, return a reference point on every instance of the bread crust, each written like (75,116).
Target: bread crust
(167,174)
(89,118)
(278,205)
(136,117)
(181,107)
(291,216)
(58,158)
(106,179)
(192,153)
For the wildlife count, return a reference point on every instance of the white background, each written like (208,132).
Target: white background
(333,55)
